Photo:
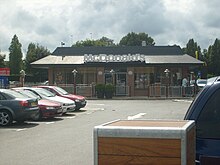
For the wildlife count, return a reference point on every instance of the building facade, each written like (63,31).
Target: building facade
(135,71)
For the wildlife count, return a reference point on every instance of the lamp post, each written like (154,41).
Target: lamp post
(112,73)
(74,81)
(22,76)
(166,71)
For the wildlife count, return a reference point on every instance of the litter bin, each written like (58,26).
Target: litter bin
(143,142)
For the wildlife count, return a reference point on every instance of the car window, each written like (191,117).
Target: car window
(51,90)
(29,94)
(44,92)
(208,123)
(61,90)
(202,82)
(14,94)
(2,97)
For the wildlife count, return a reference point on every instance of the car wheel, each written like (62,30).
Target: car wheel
(5,118)
(38,116)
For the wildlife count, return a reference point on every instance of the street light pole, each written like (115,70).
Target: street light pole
(112,73)
(22,76)
(167,83)
(74,81)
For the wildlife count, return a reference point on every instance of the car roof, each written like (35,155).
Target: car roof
(48,86)
(213,79)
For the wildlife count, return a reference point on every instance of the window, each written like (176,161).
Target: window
(2,97)
(208,124)
(141,80)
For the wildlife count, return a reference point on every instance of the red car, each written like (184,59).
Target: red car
(80,101)
(47,108)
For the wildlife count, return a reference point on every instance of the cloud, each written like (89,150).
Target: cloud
(168,22)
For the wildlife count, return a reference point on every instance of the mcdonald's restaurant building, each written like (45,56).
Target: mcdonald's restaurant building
(134,70)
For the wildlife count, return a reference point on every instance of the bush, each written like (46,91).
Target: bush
(100,90)
(109,91)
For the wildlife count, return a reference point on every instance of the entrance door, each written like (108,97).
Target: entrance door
(120,82)
(117,77)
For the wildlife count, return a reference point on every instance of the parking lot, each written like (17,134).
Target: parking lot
(69,139)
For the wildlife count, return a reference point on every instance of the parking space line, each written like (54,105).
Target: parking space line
(72,117)
(50,122)
(139,115)
(23,129)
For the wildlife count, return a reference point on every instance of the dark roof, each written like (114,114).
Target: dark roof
(146,50)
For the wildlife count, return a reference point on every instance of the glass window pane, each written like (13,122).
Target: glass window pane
(208,124)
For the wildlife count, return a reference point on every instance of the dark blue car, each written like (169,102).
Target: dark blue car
(205,110)
(16,107)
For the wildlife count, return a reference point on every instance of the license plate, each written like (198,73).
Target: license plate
(33,104)
(59,110)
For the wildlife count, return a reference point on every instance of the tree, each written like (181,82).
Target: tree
(2,62)
(191,48)
(104,41)
(15,56)
(136,39)
(35,52)
(213,57)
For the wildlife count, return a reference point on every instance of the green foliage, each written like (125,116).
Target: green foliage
(191,48)
(109,88)
(2,62)
(15,56)
(109,91)
(100,87)
(135,39)
(35,52)
(100,90)
(213,58)
(104,41)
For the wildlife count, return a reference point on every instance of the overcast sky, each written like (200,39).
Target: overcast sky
(48,22)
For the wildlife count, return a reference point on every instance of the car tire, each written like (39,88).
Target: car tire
(38,116)
(5,118)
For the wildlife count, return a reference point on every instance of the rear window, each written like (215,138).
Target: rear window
(44,92)
(14,94)
(62,91)
(208,123)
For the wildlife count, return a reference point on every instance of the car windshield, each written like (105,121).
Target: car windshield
(44,92)
(61,91)
(202,82)
(29,94)
(15,94)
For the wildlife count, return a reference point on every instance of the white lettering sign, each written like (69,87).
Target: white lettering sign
(113,58)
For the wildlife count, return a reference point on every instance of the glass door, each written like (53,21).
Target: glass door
(120,84)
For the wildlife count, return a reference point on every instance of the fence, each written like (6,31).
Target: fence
(122,90)
(171,91)
(81,89)
(161,91)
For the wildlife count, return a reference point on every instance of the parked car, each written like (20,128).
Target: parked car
(67,104)
(80,101)
(213,79)
(45,82)
(205,110)
(201,83)
(16,107)
(48,108)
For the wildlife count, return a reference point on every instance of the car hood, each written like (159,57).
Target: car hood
(60,99)
(51,103)
(73,97)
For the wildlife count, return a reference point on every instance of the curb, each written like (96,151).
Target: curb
(142,98)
